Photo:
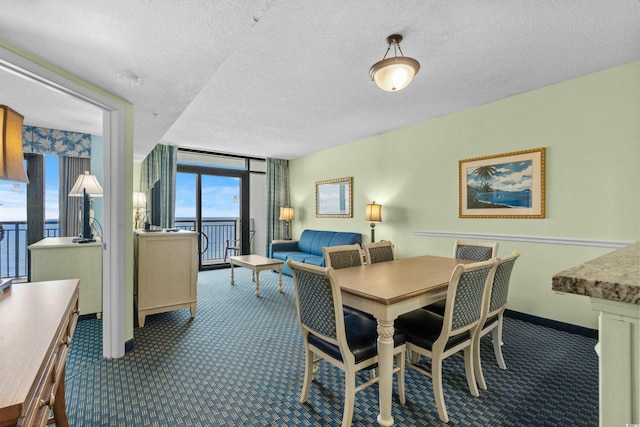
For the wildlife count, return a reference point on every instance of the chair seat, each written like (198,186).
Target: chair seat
(361,337)
(423,328)
(437,307)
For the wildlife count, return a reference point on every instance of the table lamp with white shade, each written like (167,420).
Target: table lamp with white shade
(87,187)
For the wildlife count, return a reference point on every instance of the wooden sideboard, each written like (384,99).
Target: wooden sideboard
(166,275)
(37,322)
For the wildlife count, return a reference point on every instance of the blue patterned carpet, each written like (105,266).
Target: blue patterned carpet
(240,363)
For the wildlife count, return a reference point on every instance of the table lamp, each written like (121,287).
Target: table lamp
(286,215)
(87,187)
(373,213)
(139,202)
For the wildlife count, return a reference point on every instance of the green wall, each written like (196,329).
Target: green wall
(590,127)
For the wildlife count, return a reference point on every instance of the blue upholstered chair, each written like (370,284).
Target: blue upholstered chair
(493,313)
(347,342)
(379,251)
(438,337)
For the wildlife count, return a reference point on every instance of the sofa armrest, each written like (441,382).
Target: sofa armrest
(289,245)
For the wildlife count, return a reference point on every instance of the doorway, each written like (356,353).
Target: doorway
(215,203)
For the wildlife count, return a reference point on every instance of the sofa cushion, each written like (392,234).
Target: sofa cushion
(308,249)
(312,241)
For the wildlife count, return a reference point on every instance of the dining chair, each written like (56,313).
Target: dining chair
(491,321)
(469,250)
(474,250)
(344,256)
(379,252)
(347,342)
(438,337)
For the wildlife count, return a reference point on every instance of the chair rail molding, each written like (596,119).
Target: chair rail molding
(616,244)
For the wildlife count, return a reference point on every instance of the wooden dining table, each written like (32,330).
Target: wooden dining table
(387,290)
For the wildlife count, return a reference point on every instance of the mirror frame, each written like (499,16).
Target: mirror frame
(334,198)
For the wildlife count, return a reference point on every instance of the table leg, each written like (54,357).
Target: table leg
(280,280)
(385,367)
(257,273)
(232,273)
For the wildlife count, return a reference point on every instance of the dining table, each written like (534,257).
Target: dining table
(387,290)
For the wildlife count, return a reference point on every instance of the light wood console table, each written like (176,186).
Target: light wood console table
(38,320)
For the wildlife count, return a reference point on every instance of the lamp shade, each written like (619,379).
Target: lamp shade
(86,182)
(373,212)
(286,214)
(393,74)
(11,154)
(139,200)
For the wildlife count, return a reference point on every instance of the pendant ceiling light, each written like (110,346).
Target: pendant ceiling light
(394,73)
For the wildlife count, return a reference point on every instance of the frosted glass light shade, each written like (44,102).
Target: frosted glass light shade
(394,74)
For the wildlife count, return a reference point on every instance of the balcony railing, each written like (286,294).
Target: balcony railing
(14,251)
(213,240)
(13,247)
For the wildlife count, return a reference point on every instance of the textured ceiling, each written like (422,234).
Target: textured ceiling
(271,78)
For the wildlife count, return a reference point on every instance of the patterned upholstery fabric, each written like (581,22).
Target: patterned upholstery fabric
(500,289)
(468,299)
(473,253)
(345,259)
(316,302)
(381,254)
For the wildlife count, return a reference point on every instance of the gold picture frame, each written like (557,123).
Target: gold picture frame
(510,185)
(334,198)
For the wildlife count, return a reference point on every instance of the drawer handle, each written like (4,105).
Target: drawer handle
(50,402)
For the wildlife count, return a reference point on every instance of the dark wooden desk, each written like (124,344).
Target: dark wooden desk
(387,290)
(37,321)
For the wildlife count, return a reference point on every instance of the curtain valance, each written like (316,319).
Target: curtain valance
(39,140)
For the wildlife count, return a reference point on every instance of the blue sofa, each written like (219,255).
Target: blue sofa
(309,248)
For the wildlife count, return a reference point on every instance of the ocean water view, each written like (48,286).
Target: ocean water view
(513,199)
(14,248)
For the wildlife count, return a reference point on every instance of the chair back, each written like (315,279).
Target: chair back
(475,251)
(501,279)
(343,256)
(379,252)
(467,291)
(318,301)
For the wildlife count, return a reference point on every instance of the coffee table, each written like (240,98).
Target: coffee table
(257,263)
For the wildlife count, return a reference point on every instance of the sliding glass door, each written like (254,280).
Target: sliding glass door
(214,202)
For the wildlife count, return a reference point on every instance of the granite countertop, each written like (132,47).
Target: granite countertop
(614,276)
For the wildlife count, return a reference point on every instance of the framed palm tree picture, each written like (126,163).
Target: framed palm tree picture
(510,185)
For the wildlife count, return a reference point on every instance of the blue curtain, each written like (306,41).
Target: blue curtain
(158,181)
(277,197)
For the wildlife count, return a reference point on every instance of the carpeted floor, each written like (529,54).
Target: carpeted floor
(240,363)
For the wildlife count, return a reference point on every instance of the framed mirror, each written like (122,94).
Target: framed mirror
(334,198)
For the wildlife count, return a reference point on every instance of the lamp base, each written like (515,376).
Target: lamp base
(373,232)
(83,240)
